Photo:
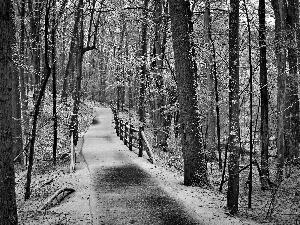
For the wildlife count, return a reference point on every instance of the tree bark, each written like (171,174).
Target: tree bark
(279,8)
(161,120)
(251,108)
(35,8)
(292,99)
(264,97)
(8,206)
(211,132)
(17,119)
(234,126)
(71,51)
(141,110)
(23,84)
(54,92)
(195,172)
(77,93)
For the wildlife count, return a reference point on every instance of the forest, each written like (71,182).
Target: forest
(213,83)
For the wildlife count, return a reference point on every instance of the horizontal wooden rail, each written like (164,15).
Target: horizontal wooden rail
(128,134)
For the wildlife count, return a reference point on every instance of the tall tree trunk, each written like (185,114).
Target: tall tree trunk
(23,83)
(264,96)
(279,8)
(287,99)
(234,139)
(8,206)
(120,66)
(251,108)
(292,99)
(211,131)
(79,58)
(71,51)
(296,17)
(215,80)
(35,8)
(16,118)
(160,119)
(195,172)
(54,93)
(141,110)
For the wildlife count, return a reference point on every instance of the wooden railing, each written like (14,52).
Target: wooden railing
(132,136)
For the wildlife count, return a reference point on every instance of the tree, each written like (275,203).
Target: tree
(251,106)
(195,172)
(234,127)
(53,56)
(143,66)
(264,96)
(23,89)
(16,118)
(8,207)
(161,119)
(292,99)
(284,86)
(71,50)
(35,10)
(211,130)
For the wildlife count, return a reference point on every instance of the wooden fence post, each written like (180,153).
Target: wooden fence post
(121,130)
(141,128)
(120,127)
(116,122)
(73,156)
(125,133)
(130,137)
(117,125)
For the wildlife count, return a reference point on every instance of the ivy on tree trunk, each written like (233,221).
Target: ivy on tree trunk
(195,171)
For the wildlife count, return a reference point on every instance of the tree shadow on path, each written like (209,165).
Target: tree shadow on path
(128,195)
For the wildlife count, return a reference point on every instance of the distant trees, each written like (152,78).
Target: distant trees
(8,207)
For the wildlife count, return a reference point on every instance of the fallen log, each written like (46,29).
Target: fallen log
(57,197)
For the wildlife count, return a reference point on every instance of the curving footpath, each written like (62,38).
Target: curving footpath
(121,191)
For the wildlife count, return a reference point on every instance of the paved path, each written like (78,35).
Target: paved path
(122,192)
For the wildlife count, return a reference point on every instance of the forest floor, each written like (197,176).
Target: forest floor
(207,206)
(46,180)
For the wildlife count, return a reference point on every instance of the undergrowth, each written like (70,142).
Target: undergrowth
(47,177)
